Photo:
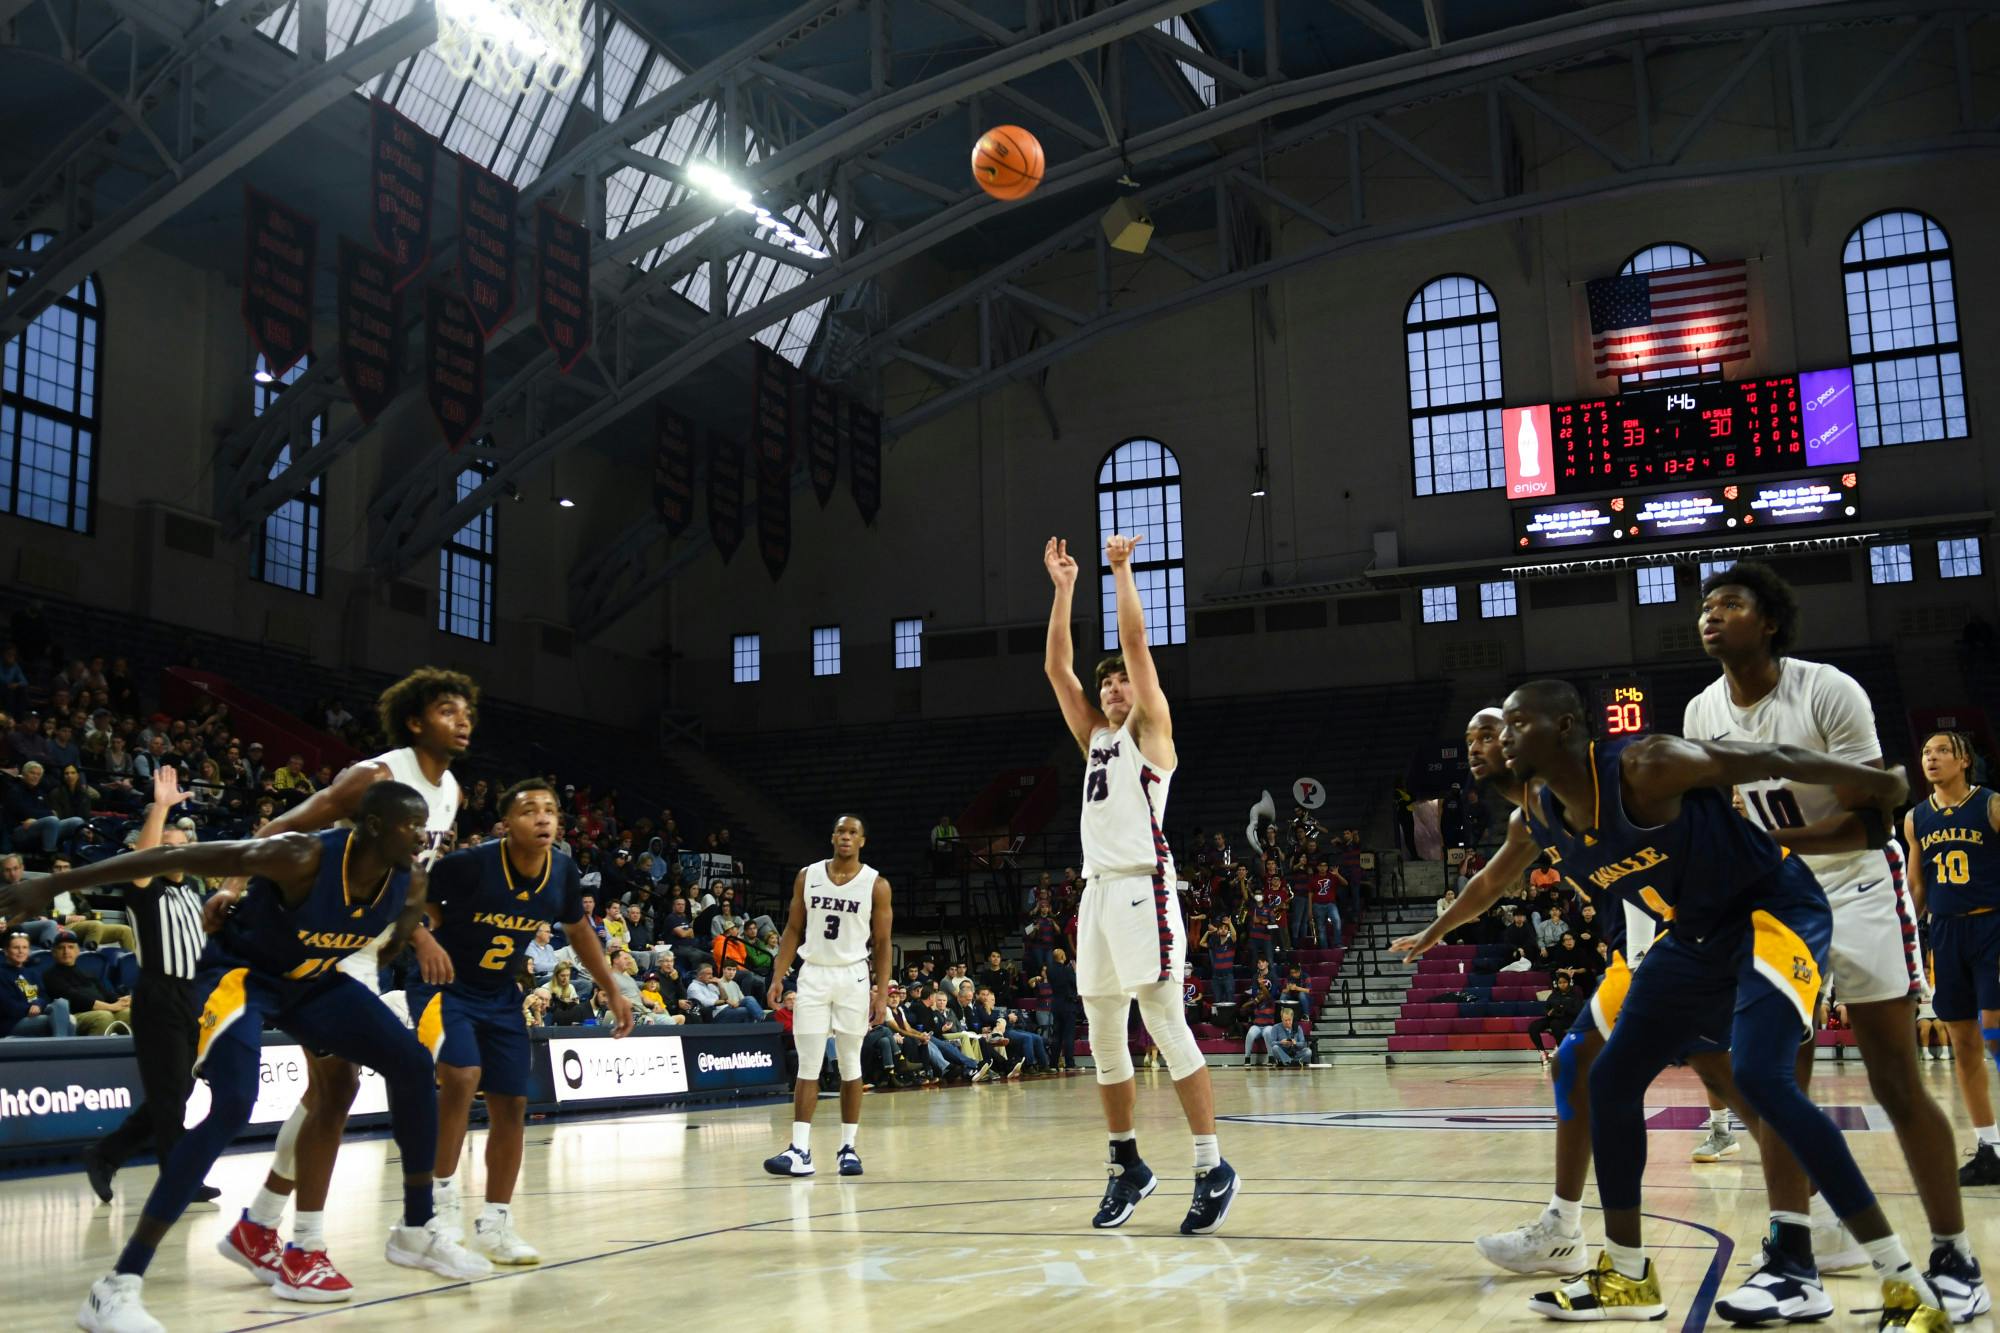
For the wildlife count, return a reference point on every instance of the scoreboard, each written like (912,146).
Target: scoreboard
(1624,710)
(1724,509)
(1689,433)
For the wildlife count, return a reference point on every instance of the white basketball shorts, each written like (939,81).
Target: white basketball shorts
(832,999)
(1129,934)
(1875,952)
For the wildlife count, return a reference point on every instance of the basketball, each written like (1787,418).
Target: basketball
(1007,162)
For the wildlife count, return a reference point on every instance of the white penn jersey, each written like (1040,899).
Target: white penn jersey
(840,918)
(1817,707)
(441,801)
(1124,803)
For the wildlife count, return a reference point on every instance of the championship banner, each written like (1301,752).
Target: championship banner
(771,424)
(822,438)
(864,463)
(562,285)
(486,244)
(725,493)
(280,246)
(402,162)
(371,329)
(673,469)
(454,363)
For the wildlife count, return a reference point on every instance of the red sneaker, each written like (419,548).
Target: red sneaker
(308,1275)
(255,1247)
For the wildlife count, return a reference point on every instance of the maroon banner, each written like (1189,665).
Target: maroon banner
(402,162)
(562,285)
(771,438)
(774,519)
(823,413)
(864,460)
(673,469)
(486,244)
(280,249)
(725,494)
(454,363)
(371,328)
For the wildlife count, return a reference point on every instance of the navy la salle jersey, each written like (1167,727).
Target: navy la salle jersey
(1960,854)
(1700,874)
(491,910)
(336,919)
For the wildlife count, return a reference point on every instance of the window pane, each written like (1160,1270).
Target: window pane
(51,388)
(1440,604)
(1451,342)
(1902,330)
(1496,600)
(909,644)
(747,659)
(826,650)
(1656,584)
(1889,563)
(1127,505)
(1958,558)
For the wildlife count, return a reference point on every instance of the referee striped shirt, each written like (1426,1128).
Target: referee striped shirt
(167,919)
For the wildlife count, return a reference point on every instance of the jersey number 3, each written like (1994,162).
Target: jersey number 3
(832,930)
(1097,785)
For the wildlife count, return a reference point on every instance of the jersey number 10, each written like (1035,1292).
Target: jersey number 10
(1776,808)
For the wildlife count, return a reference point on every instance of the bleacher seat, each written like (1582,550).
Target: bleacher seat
(125,972)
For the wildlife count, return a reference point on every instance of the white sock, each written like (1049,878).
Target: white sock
(1568,1211)
(1629,1260)
(1822,1212)
(802,1132)
(1719,1120)
(444,1188)
(497,1212)
(847,1133)
(267,1209)
(1207,1152)
(1957,1242)
(309,1230)
(1124,1135)
(1989,1134)
(1891,1260)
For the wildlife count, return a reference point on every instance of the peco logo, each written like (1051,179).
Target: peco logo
(710,1064)
(63,1101)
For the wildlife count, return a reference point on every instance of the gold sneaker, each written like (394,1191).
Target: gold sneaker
(1604,1293)
(1903,1308)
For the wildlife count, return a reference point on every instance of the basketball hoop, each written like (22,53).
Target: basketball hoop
(507,44)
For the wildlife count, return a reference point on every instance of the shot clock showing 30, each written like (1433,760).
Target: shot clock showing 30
(1624,709)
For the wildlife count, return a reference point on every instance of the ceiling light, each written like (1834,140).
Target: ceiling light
(710,179)
(565,502)
(263,376)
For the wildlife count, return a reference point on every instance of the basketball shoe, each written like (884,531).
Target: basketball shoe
(1719,1144)
(1543,1246)
(308,1275)
(1603,1294)
(1123,1193)
(1779,1291)
(791,1162)
(1959,1284)
(1983,1169)
(848,1160)
(114,1306)
(493,1235)
(1214,1192)
(255,1247)
(429,1248)
(1903,1307)
(1834,1247)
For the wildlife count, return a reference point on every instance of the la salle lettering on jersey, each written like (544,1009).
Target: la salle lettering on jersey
(333,939)
(507,921)
(1644,859)
(1977,837)
(817,903)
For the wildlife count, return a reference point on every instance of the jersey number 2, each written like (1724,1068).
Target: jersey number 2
(497,956)
(1097,785)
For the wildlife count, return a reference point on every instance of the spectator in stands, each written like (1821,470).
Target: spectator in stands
(999,1047)
(638,931)
(729,950)
(944,846)
(762,952)
(26,1010)
(1068,1007)
(566,1007)
(1348,858)
(1286,1040)
(1587,929)
(1570,959)
(1023,1040)
(76,919)
(1296,988)
(1262,925)
(64,752)
(945,1027)
(1232,898)
(624,975)
(673,991)
(255,772)
(1261,1007)
(535,1008)
(1324,896)
(1043,933)
(1221,942)
(72,797)
(94,1007)
(912,1029)
(960,997)
(35,824)
(712,1002)
(542,955)
(997,977)
(291,782)
(594,920)
(13,680)
(1551,928)
(1543,881)
(1520,940)
(1565,1002)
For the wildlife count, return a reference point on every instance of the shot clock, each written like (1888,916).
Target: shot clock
(1624,710)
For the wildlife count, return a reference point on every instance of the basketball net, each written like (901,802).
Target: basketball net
(507,44)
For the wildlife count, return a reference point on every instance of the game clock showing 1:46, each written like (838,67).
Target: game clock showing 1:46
(1625,710)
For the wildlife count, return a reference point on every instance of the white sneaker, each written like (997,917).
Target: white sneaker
(1834,1247)
(1540,1247)
(496,1238)
(1719,1144)
(429,1248)
(113,1306)
(448,1207)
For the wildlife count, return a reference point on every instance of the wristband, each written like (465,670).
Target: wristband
(1874,826)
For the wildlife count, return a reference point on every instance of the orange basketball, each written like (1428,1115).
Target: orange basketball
(1007,162)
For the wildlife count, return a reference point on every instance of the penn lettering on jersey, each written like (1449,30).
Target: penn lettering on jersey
(820,903)
(1107,754)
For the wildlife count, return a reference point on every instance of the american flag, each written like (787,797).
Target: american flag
(1672,319)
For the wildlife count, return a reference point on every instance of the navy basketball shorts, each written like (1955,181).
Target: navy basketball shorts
(1965,956)
(474,1028)
(1701,988)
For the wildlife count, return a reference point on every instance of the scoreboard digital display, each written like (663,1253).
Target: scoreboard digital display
(1624,708)
(1725,509)
(1686,434)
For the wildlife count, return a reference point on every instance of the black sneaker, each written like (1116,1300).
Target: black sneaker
(791,1162)
(849,1160)
(98,1170)
(1779,1290)
(1128,1185)
(1983,1169)
(1214,1191)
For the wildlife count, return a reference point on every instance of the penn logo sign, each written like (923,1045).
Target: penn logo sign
(63,1101)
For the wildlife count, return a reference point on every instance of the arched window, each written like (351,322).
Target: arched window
(48,407)
(1451,333)
(1139,494)
(288,550)
(1902,330)
(1653,259)
(467,564)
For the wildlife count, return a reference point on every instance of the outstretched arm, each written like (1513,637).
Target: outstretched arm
(1503,872)
(1059,661)
(1660,769)
(1152,721)
(166,795)
(340,800)
(287,860)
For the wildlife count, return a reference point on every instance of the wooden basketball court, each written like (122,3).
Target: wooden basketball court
(1364,1187)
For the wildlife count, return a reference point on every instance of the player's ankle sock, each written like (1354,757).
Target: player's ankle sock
(1957,1242)
(847,1133)
(267,1209)
(500,1213)
(1207,1152)
(1989,1134)
(802,1133)
(1792,1234)
(1890,1259)
(134,1258)
(1629,1260)
(1568,1211)
(1718,1121)
(1822,1212)
(1125,1148)
(418,1207)
(309,1231)
(444,1189)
